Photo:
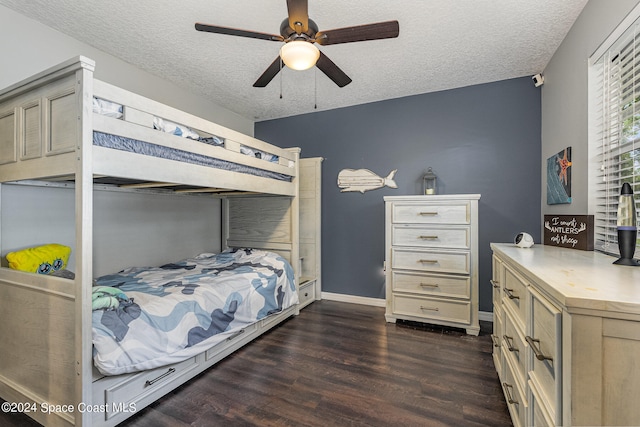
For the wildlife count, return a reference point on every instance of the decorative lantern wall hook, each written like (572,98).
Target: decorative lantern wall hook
(429,184)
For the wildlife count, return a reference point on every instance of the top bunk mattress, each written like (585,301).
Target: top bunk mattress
(116,111)
(146,148)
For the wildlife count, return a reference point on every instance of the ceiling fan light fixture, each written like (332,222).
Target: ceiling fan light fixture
(299,54)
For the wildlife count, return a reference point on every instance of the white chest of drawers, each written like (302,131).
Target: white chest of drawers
(431,259)
(566,336)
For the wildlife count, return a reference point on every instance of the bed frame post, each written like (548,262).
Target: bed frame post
(84,242)
(295,222)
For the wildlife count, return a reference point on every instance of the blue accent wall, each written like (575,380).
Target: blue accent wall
(482,139)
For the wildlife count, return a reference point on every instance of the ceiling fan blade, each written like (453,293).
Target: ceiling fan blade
(332,71)
(269,73)
(298,13)
(236,32)
(359,33)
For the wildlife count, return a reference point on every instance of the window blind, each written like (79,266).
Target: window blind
(616,112)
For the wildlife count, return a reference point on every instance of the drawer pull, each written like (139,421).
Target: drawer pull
(509,341)
(231,337)
(429,237)
(428,261)
(428,213)
(495,284)
(151,382)
(510,293)
(507,390)
(496,341)
(536,350)
(429,308)
(429,285)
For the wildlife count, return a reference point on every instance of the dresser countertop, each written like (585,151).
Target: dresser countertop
(583,280)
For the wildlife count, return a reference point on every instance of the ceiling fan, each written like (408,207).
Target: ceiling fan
(299,33)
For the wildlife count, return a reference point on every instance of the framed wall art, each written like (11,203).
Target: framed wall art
(559,178)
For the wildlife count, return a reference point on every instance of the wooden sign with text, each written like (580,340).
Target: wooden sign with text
(569,231)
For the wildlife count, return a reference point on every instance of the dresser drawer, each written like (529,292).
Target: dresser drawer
(431,284)
(515,348)
(433,308)
(540,417)
(432,237)
(496,340)
(496,282)
(307,292)
(514,296)
(432,213)
(436,261)
(546,351)
(514,395)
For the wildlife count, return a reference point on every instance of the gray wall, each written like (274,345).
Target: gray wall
(479,139)
(565,95)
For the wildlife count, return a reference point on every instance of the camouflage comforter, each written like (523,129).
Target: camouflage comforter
(178,310)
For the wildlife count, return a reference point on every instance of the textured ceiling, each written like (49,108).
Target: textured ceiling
(443,44)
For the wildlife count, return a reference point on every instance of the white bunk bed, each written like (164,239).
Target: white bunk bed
(47,127)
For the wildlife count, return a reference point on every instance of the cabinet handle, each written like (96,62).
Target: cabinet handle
(428,237)
(429,308)
(231,337)
(534,343)
(496,341)
(494,283)
(510,293)
(429,285)
(509,341)
(429,261)
(150,382)
(507,390)
(429,213)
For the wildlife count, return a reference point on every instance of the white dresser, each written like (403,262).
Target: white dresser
(566,336)
(431,259)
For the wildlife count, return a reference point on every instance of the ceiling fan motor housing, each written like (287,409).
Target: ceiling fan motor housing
(290,33)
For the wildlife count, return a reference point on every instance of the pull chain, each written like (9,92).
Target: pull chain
(281,71)
(315,88)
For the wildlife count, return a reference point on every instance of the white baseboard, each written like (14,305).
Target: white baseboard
(486,316)
(378,302)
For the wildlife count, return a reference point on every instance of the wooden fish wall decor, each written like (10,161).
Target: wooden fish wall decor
(364,180)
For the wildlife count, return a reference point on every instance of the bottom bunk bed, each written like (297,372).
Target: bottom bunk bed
(155,328)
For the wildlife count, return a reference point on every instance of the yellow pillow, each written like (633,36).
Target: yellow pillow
(41,259)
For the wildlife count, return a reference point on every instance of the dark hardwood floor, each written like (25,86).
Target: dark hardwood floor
(339,364)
